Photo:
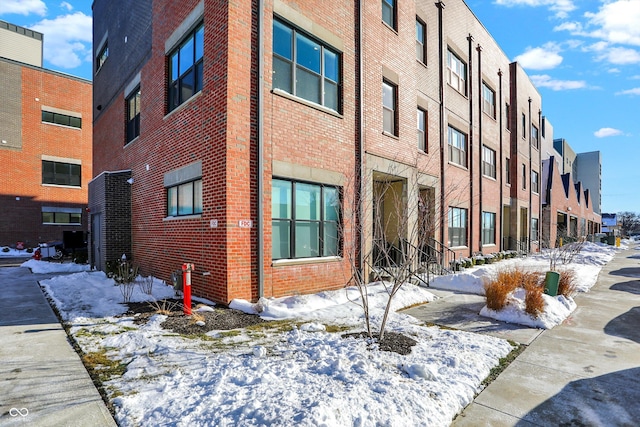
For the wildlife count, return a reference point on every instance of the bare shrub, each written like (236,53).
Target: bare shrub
(567,285)
(534,301)
(164,306)
(146,284)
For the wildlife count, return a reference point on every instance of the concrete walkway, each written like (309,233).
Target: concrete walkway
(585,372)
(42,380)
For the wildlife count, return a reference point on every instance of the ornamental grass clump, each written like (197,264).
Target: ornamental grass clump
(497,290)
(567,285)
(533,300)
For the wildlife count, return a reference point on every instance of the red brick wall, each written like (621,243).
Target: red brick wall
(22,219)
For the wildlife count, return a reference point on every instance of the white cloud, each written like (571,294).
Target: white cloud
(66,5)
(544,80)
(605,132)
(620,56)
(634,91)
(572,27)
(614,70)
(616,22)
(560,7)
(23,7)
(67,39)
(544,57)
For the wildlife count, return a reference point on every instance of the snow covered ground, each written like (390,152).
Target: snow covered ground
(300,374)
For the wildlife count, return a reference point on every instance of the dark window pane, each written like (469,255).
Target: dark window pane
(331,95)
(199,76)
(47,217)
(75,218)
(47,117)
(187,86)
(308,85)
(282,75)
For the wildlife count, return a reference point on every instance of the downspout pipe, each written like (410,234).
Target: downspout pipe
(530,122)
(441,83)
(481,148)
(470,150)
(360,129)
(501,171)
(260,148)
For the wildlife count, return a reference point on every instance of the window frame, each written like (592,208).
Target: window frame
(391,7)
(535,137)
(507,170)
(462,152)
(328,76)
(488,234)
(390,109)
(177,84)
(508,116)
(458,227)
(60,212)
(535,182)
(294,219)
(61,119)
(195,207)
(58,176)
(102,56)
(534,229)
(488,162)
(455,67)
(421,42)
(524,176)
(524,126)
(488,100)
(422,129)
(133,124)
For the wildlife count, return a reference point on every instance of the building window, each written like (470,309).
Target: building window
(508,116)
(389,13)
(456,73)
(389,108)
(524,126)
(133,115)
(422,130)
(534,229)
(103,54)
(185,68)
(524,176)
(457,147)
(61,119)
(488,162)
(535,184)
(305,67)
(421,41)
(534,137)
(488,100)
(488,228)
(457,227)
(305,220)
(185,198)
(507,170)
(58,173)
(61,216)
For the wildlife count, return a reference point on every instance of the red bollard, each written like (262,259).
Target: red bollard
(186,287)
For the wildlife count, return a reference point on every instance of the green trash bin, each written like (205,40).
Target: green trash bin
(551,282)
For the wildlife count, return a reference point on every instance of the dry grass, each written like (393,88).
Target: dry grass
(567,285)
(533,301)
(497,290)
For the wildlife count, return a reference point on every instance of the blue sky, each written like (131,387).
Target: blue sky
(582,55)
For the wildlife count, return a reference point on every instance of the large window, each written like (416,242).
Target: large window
(524,126)
(534,137)
(304,67)
(102,56)
(507,113)
(133,115)
(488,228)
(535,182)
(185,198)
(457,227)
(61,216)
(58,173)
(61,119)
(507,170)
(185,68)
(456,73)
(524,176)
(422,130)
(305,220)
(534,229)
(389,13)
(488,100)
(389,108)
(421,41)
(457,147)
(488,162)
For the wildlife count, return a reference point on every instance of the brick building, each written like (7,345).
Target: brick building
(266,141)
(45,132)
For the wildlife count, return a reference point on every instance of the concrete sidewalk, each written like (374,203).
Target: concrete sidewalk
(42,380)
(584,372)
